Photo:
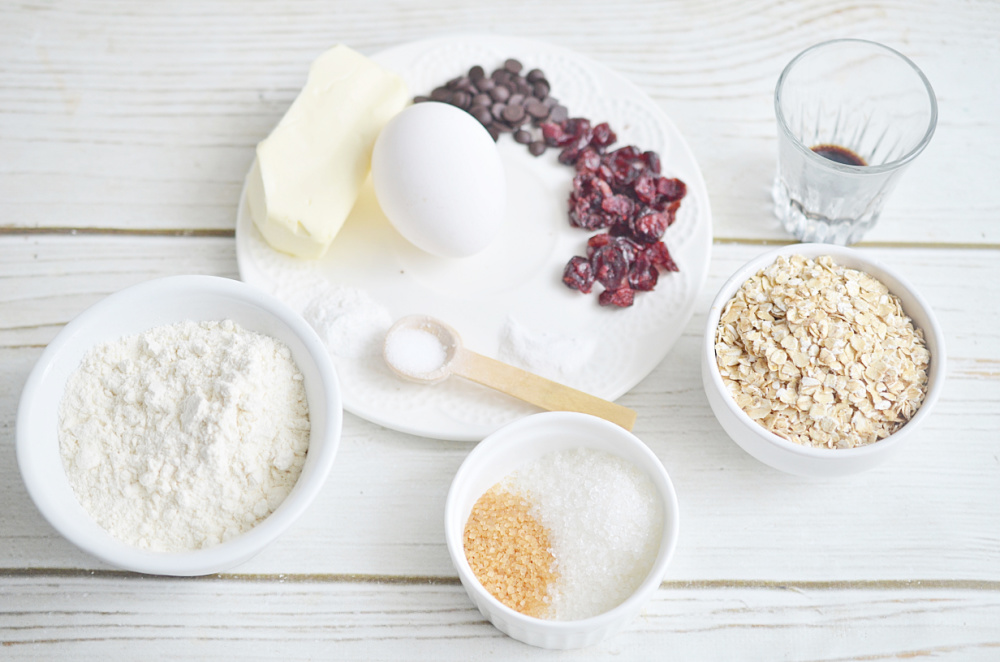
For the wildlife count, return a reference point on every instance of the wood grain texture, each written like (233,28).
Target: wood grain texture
(126,129)
(142,115)
(252,620)
(381,513)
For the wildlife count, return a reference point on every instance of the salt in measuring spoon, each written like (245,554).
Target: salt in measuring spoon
(425,350)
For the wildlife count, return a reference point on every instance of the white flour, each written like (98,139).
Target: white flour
(186,435)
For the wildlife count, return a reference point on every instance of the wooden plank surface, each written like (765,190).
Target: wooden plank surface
(373,620)
(126,129)
(144,116)
(741,520)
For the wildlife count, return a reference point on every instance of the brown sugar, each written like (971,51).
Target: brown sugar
(509,552)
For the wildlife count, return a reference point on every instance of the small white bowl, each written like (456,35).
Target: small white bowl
(794,458)
(136,309)
(522,442)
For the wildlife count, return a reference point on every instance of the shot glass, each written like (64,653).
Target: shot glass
(852,115)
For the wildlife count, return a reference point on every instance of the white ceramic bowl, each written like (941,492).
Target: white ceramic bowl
(794,458)
(524,441)
(136,309)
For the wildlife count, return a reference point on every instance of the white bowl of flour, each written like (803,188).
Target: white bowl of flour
(179,426)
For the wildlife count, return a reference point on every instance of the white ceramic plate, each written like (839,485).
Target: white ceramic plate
(508,301)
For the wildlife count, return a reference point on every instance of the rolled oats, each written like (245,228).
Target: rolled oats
(820,354)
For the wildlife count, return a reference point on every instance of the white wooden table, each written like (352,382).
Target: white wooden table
(125,132)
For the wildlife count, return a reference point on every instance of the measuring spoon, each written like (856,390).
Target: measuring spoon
(425,350)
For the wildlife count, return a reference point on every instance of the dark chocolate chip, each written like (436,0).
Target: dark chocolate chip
(558,114)
(512,65)
(500,93)
(513,113)
(483,114)
(522,136)
(537,148)
(537,109)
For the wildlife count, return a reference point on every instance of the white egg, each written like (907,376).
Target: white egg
(439,179)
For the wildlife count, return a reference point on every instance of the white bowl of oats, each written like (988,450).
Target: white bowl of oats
(819,361)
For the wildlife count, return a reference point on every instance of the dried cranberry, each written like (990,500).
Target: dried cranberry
(621,227)
(622,297)
(624,165)
(671,189)
(644,188)
(578,127)
(582,214)
(643,274)
(595,242)
(555,135)
(603,136)
(652,161)
(588,161)
(625,246)
(671,212)
(659,256)
(578,274)
(628,248)
(620,206)
(649,226)
(585,202)
(629,153)
(610,267)
(568,155)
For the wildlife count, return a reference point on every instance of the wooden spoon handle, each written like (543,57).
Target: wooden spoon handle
(537,390)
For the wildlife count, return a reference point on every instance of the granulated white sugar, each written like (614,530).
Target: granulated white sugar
(414,351)
(604,523)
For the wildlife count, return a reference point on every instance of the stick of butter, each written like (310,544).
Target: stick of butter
(310,169)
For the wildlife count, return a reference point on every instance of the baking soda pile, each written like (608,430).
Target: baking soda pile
(185,435)
(415,351)
(566,537)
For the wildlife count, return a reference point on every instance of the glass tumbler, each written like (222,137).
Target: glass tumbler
(852,114)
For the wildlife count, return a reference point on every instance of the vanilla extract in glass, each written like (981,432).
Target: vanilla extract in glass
(839,154)
(853,103)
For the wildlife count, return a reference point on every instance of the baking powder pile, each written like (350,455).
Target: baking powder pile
(185,435)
